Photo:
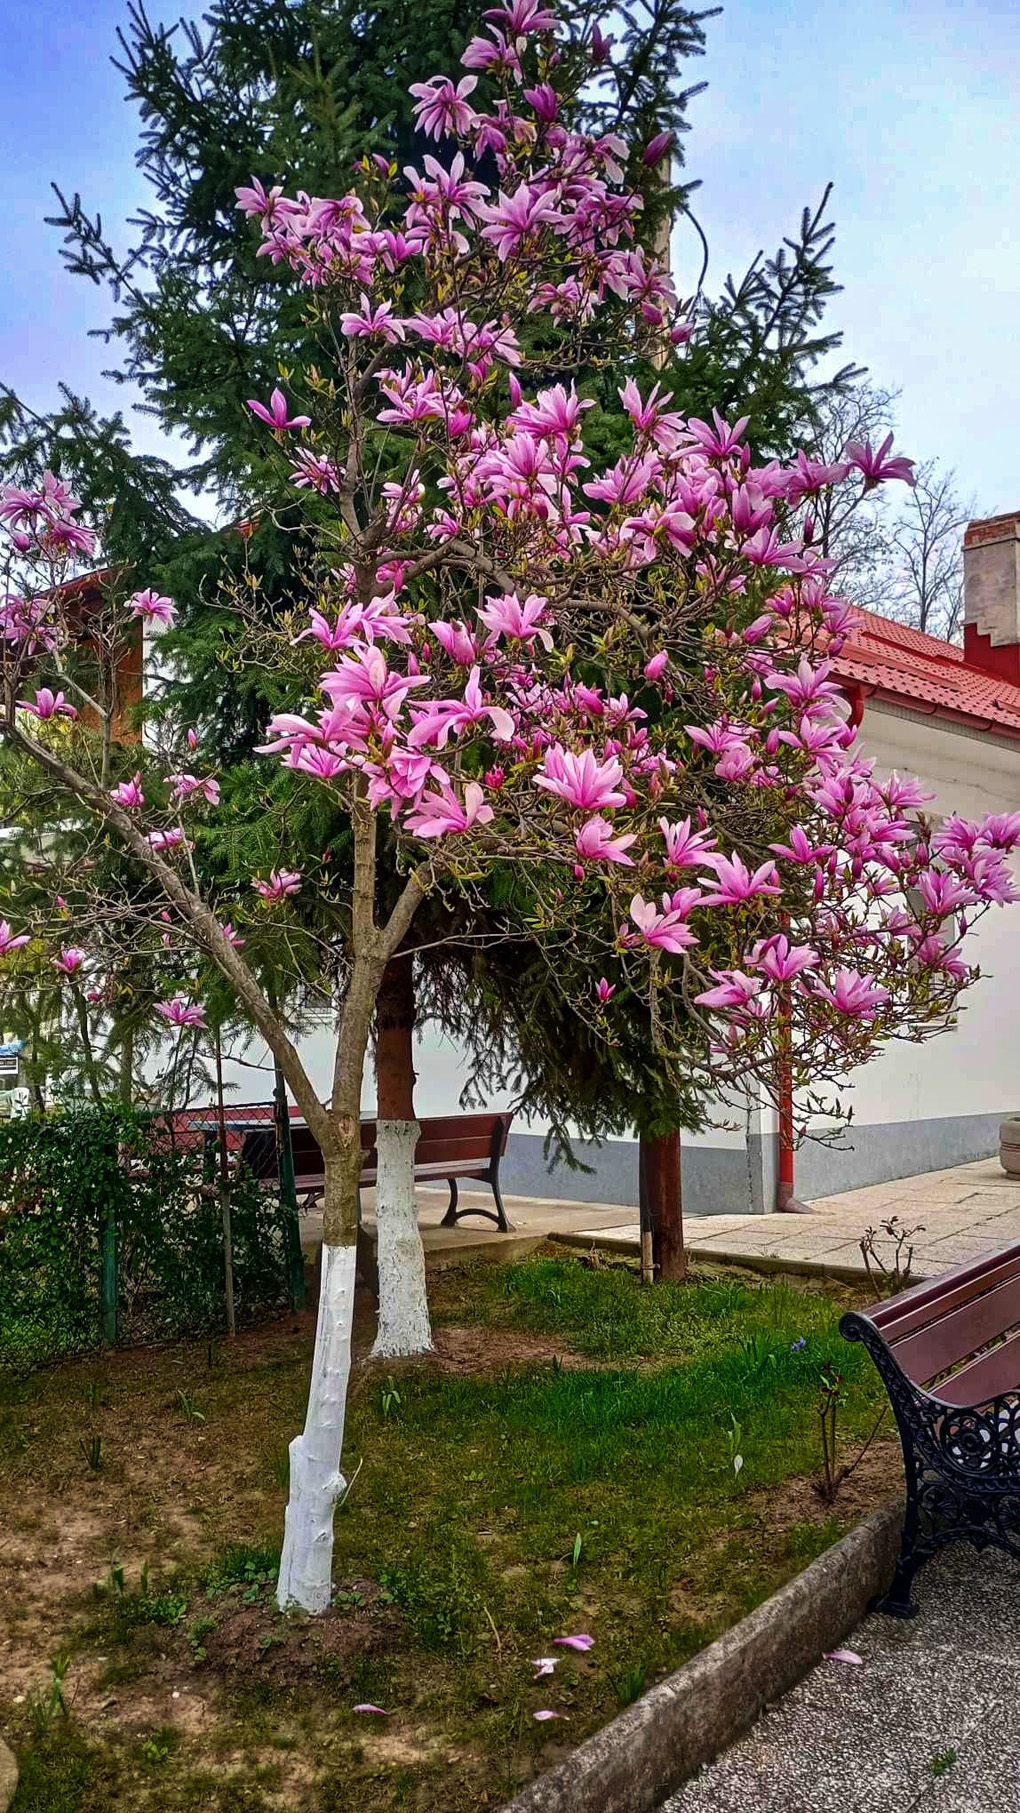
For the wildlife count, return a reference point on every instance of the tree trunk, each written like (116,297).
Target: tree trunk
(661,1174)
(404,1326)
(316,1482)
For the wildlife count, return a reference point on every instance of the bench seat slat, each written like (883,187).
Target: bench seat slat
(942,1343)
(991,1376)
(901,1315)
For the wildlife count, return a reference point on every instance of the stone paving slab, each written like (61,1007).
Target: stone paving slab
(961,1214)
(870,1739)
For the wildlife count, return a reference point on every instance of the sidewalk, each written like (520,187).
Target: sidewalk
(964,1212)
(930,1723)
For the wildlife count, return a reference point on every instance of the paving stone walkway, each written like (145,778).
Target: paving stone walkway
(930,1723)
(969,1210)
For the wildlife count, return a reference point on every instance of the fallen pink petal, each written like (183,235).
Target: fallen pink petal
(546,1714)
(544,1665)
(844,1655)
(581,1642)
(380,1710)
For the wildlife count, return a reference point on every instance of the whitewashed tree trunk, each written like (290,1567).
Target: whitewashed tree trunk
(316,1481)
(404,1326)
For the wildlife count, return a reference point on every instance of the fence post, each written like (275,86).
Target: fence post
(224,1194)
(288,1195)
(108,1274)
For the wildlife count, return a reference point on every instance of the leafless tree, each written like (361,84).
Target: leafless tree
(926,544)
(851,529)
(900,551)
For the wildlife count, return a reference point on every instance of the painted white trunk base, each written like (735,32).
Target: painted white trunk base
(316,1482)
(404,1326)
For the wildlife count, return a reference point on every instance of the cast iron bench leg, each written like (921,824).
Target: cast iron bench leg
(450,1218)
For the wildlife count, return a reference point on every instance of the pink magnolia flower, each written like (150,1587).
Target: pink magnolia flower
(733,989)
(281,883)
(719,440)
(192,740)
(231,936)
(656,149)
(656,667)
(605,990)
(507,616)
(442,814)
(443,109)
(181,1012)
(365,678)
(669,929)
(185,785)
(166,840)
(734,883)
(276,415)
(581,780)
(685,848)
(129,793)
(314,472)
(458,642)
(378,323)
(8,942)
(48,705)
(581,1642)
(544,1665)
(780,959)
(853,995)
(877,466)
(69,961)
(595,843)
(516,218)
(152,608)
(435,722)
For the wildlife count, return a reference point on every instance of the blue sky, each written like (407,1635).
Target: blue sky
(910,106)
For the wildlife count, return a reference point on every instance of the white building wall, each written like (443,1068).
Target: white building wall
(914,1108)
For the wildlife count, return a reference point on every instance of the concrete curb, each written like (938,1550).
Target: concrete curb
(754,1262)
(634,1764)
(8,1776)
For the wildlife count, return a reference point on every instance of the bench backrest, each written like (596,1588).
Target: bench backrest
(962,1330)
(451,1138)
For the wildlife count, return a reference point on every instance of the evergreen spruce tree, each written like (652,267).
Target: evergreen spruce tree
(200,324)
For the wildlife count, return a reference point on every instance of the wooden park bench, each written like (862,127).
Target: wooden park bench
(450,1147)
(948,1353)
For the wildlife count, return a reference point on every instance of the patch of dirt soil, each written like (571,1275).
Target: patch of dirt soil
(256,1642)
(877,1478)
(482,1350)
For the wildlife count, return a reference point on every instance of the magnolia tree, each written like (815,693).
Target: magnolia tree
(613,682)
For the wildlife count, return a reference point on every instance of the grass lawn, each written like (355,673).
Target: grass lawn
(565,1464)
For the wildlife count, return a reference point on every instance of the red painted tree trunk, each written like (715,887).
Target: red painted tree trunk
(394,1047)
(662,1202)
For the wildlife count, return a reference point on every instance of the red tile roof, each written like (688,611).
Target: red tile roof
(899,665)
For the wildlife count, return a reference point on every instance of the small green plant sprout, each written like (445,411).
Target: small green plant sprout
(114,1582)
(92,1449)
(733,1435)
(631,1684)
(189,1409)
(197,1630)
(831,1394)
(577,1549)
(942,1761)
(390,1399)
(97,1395)
(48,1702)
(895,1276)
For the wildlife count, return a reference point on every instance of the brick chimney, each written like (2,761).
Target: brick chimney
(991,595)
